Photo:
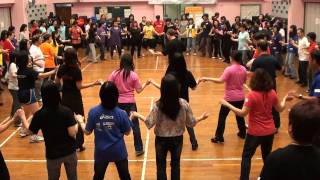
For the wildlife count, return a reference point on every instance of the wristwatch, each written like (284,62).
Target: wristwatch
(300,96)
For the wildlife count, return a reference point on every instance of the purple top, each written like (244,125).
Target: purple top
(102,37)
(115,37)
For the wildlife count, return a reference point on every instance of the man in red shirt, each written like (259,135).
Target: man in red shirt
(313,46)
(159,28)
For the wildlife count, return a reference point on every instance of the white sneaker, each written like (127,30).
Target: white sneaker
(151,51)
(23,132)
(194,54)
(220,58)
(36,139)
(214,57)
(187,54)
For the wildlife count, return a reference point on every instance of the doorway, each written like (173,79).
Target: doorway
(174,11)
(63,12)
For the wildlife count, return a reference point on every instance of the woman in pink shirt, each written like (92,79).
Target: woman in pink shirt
(127,81)
(258,104)
(234,78)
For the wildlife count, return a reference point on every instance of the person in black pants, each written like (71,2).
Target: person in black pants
(70,74)
(261,129)
(271,65)
(226,41)
(234,78)
(178,68)
(169,115)
(205,43)
(136,38)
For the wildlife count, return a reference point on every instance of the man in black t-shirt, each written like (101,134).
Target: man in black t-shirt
(59,129)
(299,160)
(205,39)
(271,65)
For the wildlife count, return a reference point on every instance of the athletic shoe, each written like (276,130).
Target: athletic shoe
(194,54)
(214,57)
(36,139)
(217,140)
(139,153)
(187,54)
(220,58)
(23,132)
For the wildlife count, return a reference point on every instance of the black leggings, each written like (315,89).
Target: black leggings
(100,168)
(217,47)
(113,47)
(4,173)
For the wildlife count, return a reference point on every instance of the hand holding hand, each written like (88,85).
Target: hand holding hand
(79,118)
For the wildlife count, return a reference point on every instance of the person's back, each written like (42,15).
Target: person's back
(260,115)
(166,127)
(54,125)
(126,86)
(109,127)
(234,76)
(293,162)
(268,63)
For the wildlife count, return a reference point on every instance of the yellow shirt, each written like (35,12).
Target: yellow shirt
(55,48)
(148,32)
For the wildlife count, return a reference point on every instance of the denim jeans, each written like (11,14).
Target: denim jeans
(128,107)
(100,168)
(163,146)
(291,68)
(244,56)
(224,111)
(303,70)
(37,89)
(191,45)
(250,146)
(70,164)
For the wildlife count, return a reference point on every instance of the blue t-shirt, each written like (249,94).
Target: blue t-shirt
(109,127)
(276,46)
(292,48)
(315,88)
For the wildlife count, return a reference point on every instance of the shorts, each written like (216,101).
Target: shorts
(27,96)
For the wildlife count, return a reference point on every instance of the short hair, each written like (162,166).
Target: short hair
(304,119)
(50,94)
(236,56)
(312,36)
(171,32)
(315,56)
(301,30)
(263,45)
(243,26)
(261,81)
(46,37)
(259,35)
(109,95)
(158,17)
(23,27)
(35,39)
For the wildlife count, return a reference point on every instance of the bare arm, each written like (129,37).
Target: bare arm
(214,80)
(80,120)
(281,105)
(240,112)
(143,87)
(80,85)
(47,74)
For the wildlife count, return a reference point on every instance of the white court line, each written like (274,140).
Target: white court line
(14,132)
(133,160)
(157,62)
(145,158)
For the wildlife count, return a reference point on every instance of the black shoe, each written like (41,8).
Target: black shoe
(139,153)
(82,148)
(241,135)
(217,140)
(194,146)
(304,85)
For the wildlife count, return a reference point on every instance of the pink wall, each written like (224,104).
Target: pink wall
(231,9)
(296,13)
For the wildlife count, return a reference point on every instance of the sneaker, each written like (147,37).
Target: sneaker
(36,139)
(217,140)
(187,54)
(213,57)
(220,58)
(23,132)
(18,125)
(151,51)
(194,54)
(139,153)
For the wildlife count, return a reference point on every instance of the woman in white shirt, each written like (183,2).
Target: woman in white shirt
(23,32)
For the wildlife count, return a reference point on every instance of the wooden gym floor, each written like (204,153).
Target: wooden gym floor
(210,161)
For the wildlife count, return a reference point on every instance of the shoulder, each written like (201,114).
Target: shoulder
(183,103)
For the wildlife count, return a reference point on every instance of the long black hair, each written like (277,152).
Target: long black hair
(294,31)
(178,66)
(23,45)
(109,95)
(169,101)
(71,58)
(126,65)
(4,35)
(50,95)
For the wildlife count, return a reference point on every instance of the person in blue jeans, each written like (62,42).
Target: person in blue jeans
(109,124)
(290,69)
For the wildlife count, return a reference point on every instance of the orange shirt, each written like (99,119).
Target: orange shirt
(48,53)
